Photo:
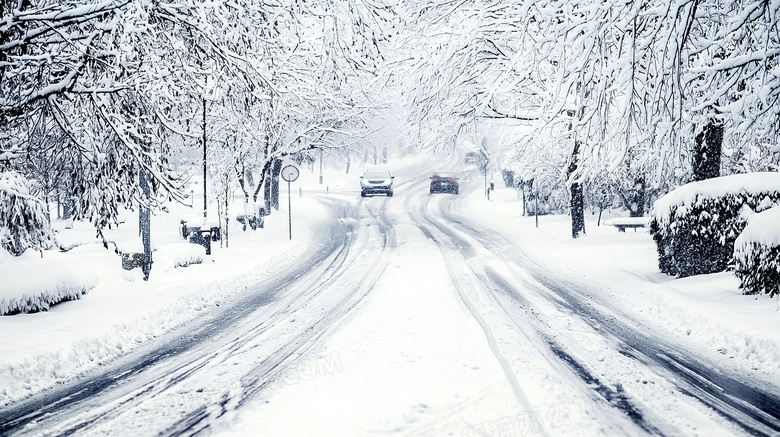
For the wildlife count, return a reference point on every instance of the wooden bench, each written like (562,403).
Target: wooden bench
(621,223)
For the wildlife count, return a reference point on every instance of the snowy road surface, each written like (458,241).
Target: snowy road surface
(411,317)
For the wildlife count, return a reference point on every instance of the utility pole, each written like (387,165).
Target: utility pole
(205,202)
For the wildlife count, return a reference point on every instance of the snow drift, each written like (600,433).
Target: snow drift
(182,254)
(25,290)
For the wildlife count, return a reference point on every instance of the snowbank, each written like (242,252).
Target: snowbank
(182,254)
(25,290)
(133,245)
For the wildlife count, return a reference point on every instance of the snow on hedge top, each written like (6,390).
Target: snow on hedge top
(763,228)
(688,194)
(24,279)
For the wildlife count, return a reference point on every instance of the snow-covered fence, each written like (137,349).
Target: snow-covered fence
(695,226)
(35,285)
(757,254)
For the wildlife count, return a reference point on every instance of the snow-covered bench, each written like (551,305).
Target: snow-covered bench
(621,223)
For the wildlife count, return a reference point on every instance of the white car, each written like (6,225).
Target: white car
(376,181)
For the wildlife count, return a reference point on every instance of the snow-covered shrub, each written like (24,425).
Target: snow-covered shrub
(131,252)
(24,219)
(183,254)
(35,285)
(757,254)
(695,226)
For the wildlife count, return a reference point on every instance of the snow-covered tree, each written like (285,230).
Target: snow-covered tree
(119,87)
(301,94)
(656,87)
(24,219)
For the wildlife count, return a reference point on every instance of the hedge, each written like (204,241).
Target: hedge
(695,226)
(757,254)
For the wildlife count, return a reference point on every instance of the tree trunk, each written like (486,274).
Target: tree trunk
(144,226)
(250,179)
(227,213)
(577,196)
(267,189)
(276,169)
(707,150)
(636,207)
(528,196)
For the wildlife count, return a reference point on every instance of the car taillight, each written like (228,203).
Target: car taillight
(453,180)
(434,180)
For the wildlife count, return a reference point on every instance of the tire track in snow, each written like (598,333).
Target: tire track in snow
(495,283)
(271,368)
(336,249)
(318,273)
(756,411)
(488,279)
(417,218)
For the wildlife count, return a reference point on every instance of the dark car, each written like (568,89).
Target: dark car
(444,182)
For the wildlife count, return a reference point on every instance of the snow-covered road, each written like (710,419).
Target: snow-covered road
(411,316)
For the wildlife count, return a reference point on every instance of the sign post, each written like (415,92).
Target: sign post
(290,174)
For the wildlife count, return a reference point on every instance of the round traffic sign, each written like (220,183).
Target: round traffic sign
(290,173)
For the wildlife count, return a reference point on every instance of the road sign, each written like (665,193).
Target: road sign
(290,173)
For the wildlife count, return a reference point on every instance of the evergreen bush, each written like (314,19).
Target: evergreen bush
(757,254)
(24,219)
(695,226)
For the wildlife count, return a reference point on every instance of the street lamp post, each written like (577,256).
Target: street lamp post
(211,92)
(205,201)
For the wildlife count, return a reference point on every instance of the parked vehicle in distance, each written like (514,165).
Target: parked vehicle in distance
(444,182)
(471,158)
(377,181)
